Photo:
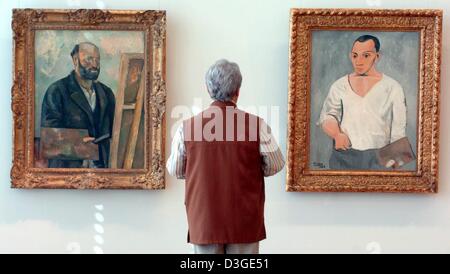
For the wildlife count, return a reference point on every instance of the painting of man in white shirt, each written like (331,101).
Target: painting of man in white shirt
(363,111)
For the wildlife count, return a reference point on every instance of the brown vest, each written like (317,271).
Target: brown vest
(224,178)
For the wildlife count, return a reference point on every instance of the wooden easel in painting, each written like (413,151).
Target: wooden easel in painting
(128,126)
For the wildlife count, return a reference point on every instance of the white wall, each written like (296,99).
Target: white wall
(255,34)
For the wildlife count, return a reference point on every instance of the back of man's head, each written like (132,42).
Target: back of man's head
(223,80)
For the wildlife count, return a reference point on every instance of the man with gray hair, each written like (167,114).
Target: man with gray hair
(224,154)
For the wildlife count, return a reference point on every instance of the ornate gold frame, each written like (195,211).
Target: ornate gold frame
(24,24)
(425,178)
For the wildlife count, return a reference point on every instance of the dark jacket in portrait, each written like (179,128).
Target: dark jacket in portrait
(65,106)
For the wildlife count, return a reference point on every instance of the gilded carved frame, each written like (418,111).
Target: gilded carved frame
(24,24)
(425,178)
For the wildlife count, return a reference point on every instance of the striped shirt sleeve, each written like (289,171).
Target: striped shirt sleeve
(272,158)
(176,165)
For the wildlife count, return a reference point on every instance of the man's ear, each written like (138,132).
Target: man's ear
(75,61)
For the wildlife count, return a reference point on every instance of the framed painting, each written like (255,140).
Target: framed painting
(88,99)
(364,100)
